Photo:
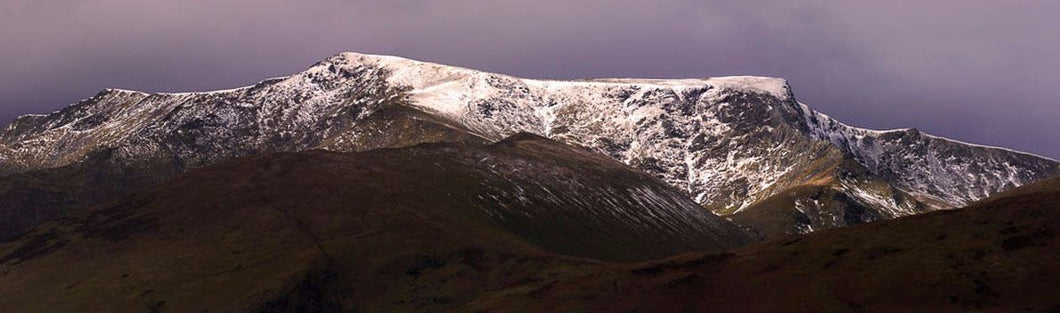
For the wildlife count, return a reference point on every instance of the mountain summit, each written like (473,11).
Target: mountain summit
(739,146)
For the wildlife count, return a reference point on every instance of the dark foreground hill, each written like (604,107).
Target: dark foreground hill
(428,228)
(998,255)
(409,230)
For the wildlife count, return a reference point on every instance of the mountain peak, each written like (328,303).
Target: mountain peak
(777,87)
(773,86)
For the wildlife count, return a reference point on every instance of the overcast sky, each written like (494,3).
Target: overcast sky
(986,72)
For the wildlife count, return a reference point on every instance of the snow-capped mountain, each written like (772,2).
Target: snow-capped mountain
(731,143)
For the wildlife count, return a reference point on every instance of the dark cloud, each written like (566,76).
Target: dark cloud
(981,71)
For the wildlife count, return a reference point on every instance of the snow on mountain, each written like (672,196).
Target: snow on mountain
(729,142)
(942,170)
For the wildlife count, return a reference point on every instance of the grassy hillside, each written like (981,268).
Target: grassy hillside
(427,228)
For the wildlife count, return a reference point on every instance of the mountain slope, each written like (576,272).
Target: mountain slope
(367,230)
(728,142)
(943,171)
(32,197)
(106,170)
(833,196)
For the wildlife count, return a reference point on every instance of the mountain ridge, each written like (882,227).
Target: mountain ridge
(627,80)
(619,80)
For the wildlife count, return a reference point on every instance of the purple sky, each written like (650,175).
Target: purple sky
(981,71)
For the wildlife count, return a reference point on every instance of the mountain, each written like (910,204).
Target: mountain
(263,233)
(450,227)
(743,147)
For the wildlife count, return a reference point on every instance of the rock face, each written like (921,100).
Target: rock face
(729,143)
